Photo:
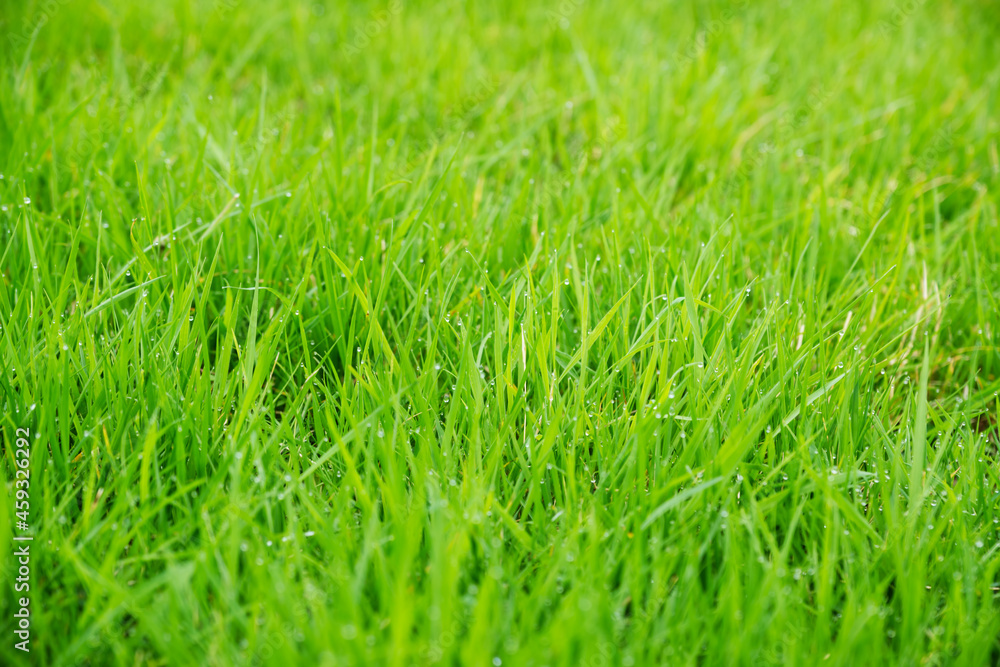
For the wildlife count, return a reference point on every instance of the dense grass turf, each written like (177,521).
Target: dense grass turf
(589,333)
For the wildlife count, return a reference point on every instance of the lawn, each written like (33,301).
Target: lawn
(576,333)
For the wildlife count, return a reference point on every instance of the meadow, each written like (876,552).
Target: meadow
(580,333)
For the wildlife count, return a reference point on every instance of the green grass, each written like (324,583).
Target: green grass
(581,333)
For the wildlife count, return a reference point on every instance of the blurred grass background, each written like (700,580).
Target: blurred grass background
(504,333)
